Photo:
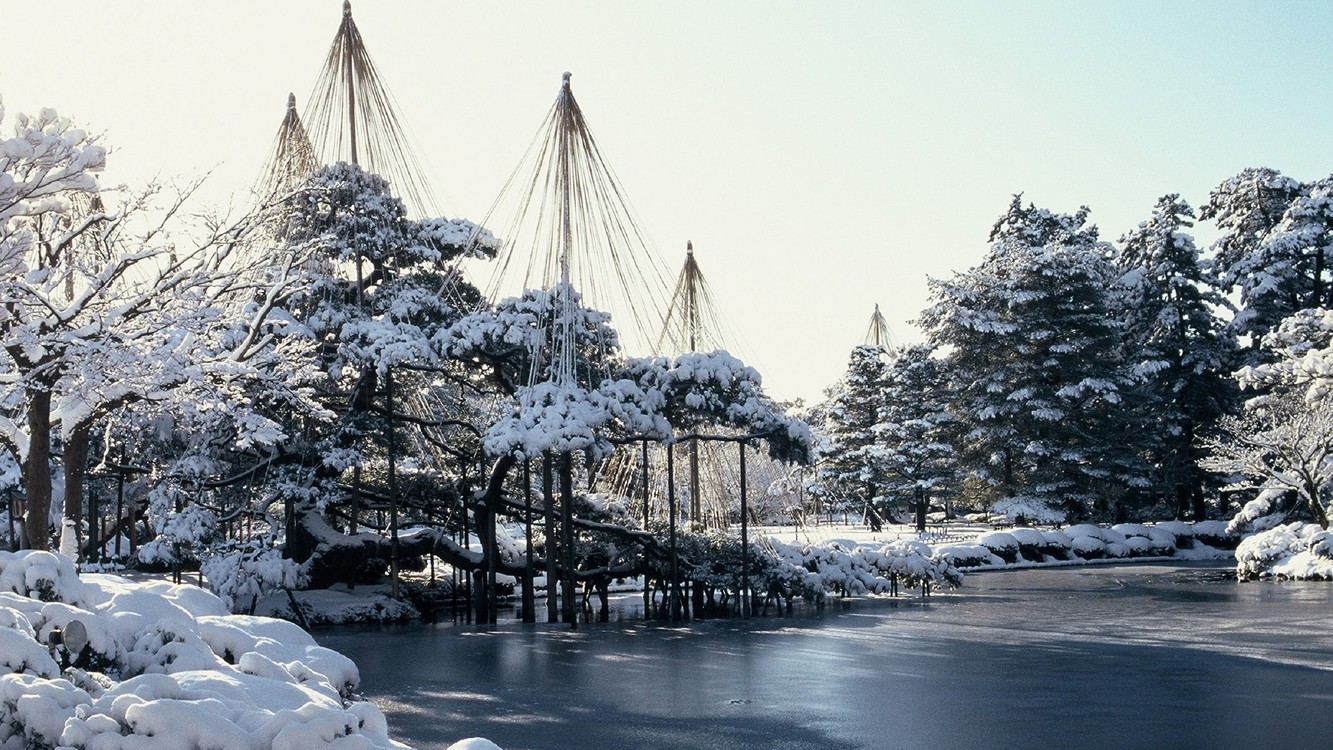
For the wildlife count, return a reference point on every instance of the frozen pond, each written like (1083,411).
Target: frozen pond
(1126,656)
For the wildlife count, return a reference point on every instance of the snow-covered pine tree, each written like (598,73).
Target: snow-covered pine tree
(851,468)
(1275,250)
(915,431)
(110,304)
(382,292)
(1032,356)
(1180,351)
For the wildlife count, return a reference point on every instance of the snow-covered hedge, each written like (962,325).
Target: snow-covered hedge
(164,666)
(1216,534)
(814,571)
(1084,542)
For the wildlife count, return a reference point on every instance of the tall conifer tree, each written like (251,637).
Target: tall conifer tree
(851,470)
(1181,354)
(1033,361)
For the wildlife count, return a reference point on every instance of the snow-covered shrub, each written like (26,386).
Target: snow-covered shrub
(1088,547)
(1295,550)
(1163,541)
(243,573)
(43,576)
(1138,546)
(1131,529)
(34,710)
(1031,544)
(968,555)
(816,571)
(1215,534)
(1146,541)
(331,607)
(20,653)
(1182,531)
(1057,544)
(181,538)
(912,563)
(1086,529)
(1118,550)
(1003,544)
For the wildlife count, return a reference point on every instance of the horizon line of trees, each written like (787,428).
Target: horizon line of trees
(1067,378)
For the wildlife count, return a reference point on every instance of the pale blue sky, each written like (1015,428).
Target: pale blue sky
(822,156)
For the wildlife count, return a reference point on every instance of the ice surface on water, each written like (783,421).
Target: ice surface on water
(1131,656)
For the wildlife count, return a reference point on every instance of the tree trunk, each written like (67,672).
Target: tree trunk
(481,594)
(37,470)
(76,472)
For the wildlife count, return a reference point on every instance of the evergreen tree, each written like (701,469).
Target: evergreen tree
(851,468)
(914,432)
(1178,347)
(1274,248)
(1034,368)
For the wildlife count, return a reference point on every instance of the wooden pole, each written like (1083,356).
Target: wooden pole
(350,73)
(94,527)
(529,596)
(548,493)
(674,598)
(120,497)
(745,541)
(645,485)
(393,485)
(567,537)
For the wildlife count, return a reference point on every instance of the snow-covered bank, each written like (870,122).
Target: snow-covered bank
(967,547)
(103,663)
